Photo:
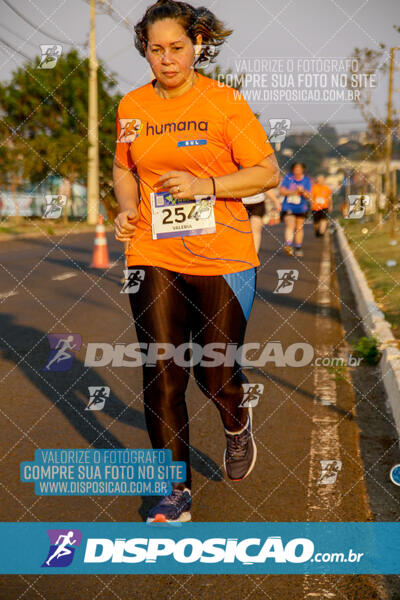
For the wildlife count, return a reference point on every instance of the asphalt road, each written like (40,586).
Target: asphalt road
(306,414)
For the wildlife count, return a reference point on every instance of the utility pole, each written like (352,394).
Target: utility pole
(379,190)
(347,188)
(93,126)
(389,191)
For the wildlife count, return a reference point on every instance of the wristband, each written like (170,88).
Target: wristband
(213,182)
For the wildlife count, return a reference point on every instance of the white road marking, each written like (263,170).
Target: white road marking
(322,499)
(63,276)
(8,294)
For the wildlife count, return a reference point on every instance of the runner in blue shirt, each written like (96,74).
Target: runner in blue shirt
(296,187)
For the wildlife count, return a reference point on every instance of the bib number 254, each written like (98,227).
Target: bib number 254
(177,218)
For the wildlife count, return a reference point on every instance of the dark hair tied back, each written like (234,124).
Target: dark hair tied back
(194,21)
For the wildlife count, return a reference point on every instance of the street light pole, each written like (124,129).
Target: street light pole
(389,191)
(93,131)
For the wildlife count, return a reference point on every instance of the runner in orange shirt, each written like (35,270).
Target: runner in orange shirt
(321,205)
(189,148)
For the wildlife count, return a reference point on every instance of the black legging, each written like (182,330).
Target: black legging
(167,308)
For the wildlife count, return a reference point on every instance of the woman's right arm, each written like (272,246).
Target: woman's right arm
(126,189)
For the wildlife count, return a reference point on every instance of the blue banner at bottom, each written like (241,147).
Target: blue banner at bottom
(203,548)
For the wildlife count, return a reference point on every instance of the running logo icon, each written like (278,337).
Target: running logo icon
(133,279)
(63,543)
(130,130)
(54,206)
(329,471)
(204,54)
(50,55)
(357,206)
(97,397)
(251,394)
(62,347)
(279,130)
(286,280)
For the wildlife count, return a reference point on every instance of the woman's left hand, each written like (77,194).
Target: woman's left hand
(181,185)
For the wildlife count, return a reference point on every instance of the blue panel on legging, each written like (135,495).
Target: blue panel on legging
(243,286)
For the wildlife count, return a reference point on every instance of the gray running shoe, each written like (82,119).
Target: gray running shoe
(299,252)
(241,452)
(172,508)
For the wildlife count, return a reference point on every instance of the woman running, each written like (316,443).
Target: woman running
(296,187)
(183,137)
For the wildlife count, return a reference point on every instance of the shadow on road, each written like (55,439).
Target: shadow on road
(298,390)
(27,347)
(289,301)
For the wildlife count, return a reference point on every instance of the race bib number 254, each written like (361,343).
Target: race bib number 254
(176,218)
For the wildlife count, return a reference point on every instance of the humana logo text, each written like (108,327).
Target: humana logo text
(173,127)
(100,354)
(191,550)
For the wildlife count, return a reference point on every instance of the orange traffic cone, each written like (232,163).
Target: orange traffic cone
(100,258)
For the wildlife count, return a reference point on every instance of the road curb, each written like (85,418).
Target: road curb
(375,325)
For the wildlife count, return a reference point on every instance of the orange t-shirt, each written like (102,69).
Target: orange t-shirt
(320,195)
(209,130)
